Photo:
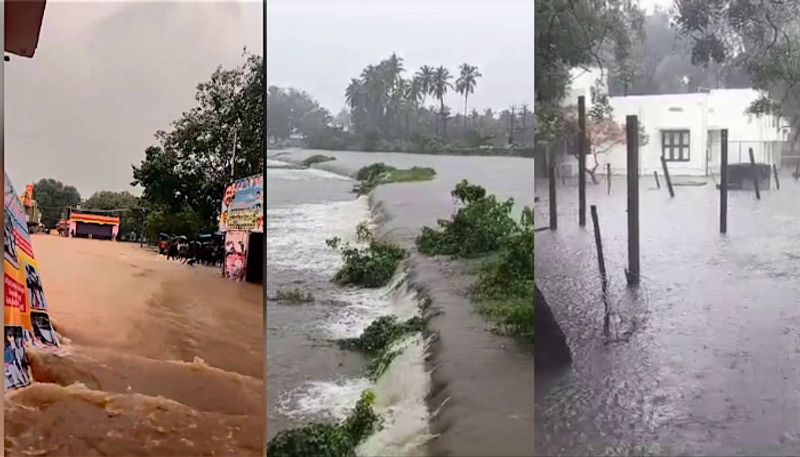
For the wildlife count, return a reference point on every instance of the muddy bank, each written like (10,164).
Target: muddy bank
(482,383)
(159,358)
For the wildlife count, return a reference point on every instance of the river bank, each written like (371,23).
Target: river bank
(481,385)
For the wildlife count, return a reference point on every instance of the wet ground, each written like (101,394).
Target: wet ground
(704,355)
(159,358)
(482,382)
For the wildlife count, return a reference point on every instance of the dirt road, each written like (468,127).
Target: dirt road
(159,359)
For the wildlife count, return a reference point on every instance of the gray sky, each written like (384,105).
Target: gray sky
(319,45)
(106,76)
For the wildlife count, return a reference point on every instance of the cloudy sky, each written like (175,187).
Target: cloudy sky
(319,45)
(106,76)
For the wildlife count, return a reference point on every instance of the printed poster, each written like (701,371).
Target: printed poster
(26,318)
(242,205)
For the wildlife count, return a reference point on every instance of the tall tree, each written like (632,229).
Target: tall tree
(441,82)
(53,198)
(122,204)
(425,76)
(189,169)
(465,84)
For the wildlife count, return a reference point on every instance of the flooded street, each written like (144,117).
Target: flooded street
(153,350)
(706,351)
(480,384)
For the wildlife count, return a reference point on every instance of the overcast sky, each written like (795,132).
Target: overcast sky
(106,76)
(319,45)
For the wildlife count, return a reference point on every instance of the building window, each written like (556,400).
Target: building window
(675,145)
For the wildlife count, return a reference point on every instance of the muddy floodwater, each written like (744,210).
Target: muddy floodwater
(467,392)
(704,357)
(159,358)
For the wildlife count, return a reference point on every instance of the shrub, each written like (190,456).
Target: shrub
(378,337)
(317,158)
(371,266)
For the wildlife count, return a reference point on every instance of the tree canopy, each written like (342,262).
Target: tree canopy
(184,176)
(53,198)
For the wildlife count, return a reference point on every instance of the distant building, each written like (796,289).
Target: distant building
(95,226)
(685,129)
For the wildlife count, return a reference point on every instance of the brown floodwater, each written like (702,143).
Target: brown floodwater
(159,359)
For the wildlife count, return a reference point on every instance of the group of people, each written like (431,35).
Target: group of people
(191,251)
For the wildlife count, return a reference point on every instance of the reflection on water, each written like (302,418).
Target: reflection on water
(709,355)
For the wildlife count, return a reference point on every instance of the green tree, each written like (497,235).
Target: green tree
(53,198)
(441,82)
(187,172)
(122,204)
(465,84)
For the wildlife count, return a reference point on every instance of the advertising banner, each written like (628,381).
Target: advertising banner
(26,318)
(242,205)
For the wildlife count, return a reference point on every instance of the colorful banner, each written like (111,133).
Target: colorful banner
(27,322)
(242,205)
(236,254)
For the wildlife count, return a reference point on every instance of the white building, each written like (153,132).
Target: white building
(685,129)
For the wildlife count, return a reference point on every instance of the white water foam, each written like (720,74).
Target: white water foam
(302,230)
(317,400)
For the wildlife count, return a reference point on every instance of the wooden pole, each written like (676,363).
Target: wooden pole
(552,185)
(777,180)
(598,241)
(755,173)
(608,177)
(723,186)
(666,176)
(582,161)
(632,140)
(797,170)
(658,184)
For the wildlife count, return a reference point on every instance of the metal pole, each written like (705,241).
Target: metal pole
(632,134)
(552,195)
(601,263)
(608,177)
(723,186)
(666,176)
(777,180)
(754,172)
(582,140)
(233,155)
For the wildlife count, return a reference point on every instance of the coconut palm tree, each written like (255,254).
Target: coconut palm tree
(465,84)
(354,95)
(441,82)
(425,76)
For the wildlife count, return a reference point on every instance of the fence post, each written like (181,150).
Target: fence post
(552,185)
(658,184)
(582,161)
(608,177)
(755,173)
(598,241)
(723,186)
(666,176)
(632,139)
(777,180)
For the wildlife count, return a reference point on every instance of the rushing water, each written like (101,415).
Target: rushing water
(479,398)
(706,352)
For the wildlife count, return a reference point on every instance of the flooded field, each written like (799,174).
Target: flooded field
(159,358)
(705,353)
(469,392)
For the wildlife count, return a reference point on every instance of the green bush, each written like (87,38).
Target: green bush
(328,440)
(379,336)
(371,266)
(380,173)
(478,227)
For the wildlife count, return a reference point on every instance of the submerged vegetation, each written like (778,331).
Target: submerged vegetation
(380,173)
(484,226)
(370,266)
(294,295)
(317,158)
(329,440)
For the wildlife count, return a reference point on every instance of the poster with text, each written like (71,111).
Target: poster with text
(26,318)
(242,205)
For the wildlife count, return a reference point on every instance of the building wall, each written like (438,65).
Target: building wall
(703,115)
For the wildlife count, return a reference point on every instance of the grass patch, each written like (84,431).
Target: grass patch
(295,295)
(329,440)
(380,173)
(317,158)
(370,266)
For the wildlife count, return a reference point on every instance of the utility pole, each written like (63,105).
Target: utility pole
(233,155)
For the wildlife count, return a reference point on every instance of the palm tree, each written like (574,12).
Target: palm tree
(465,84)
(354,95)
(441,82)
(425,76)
